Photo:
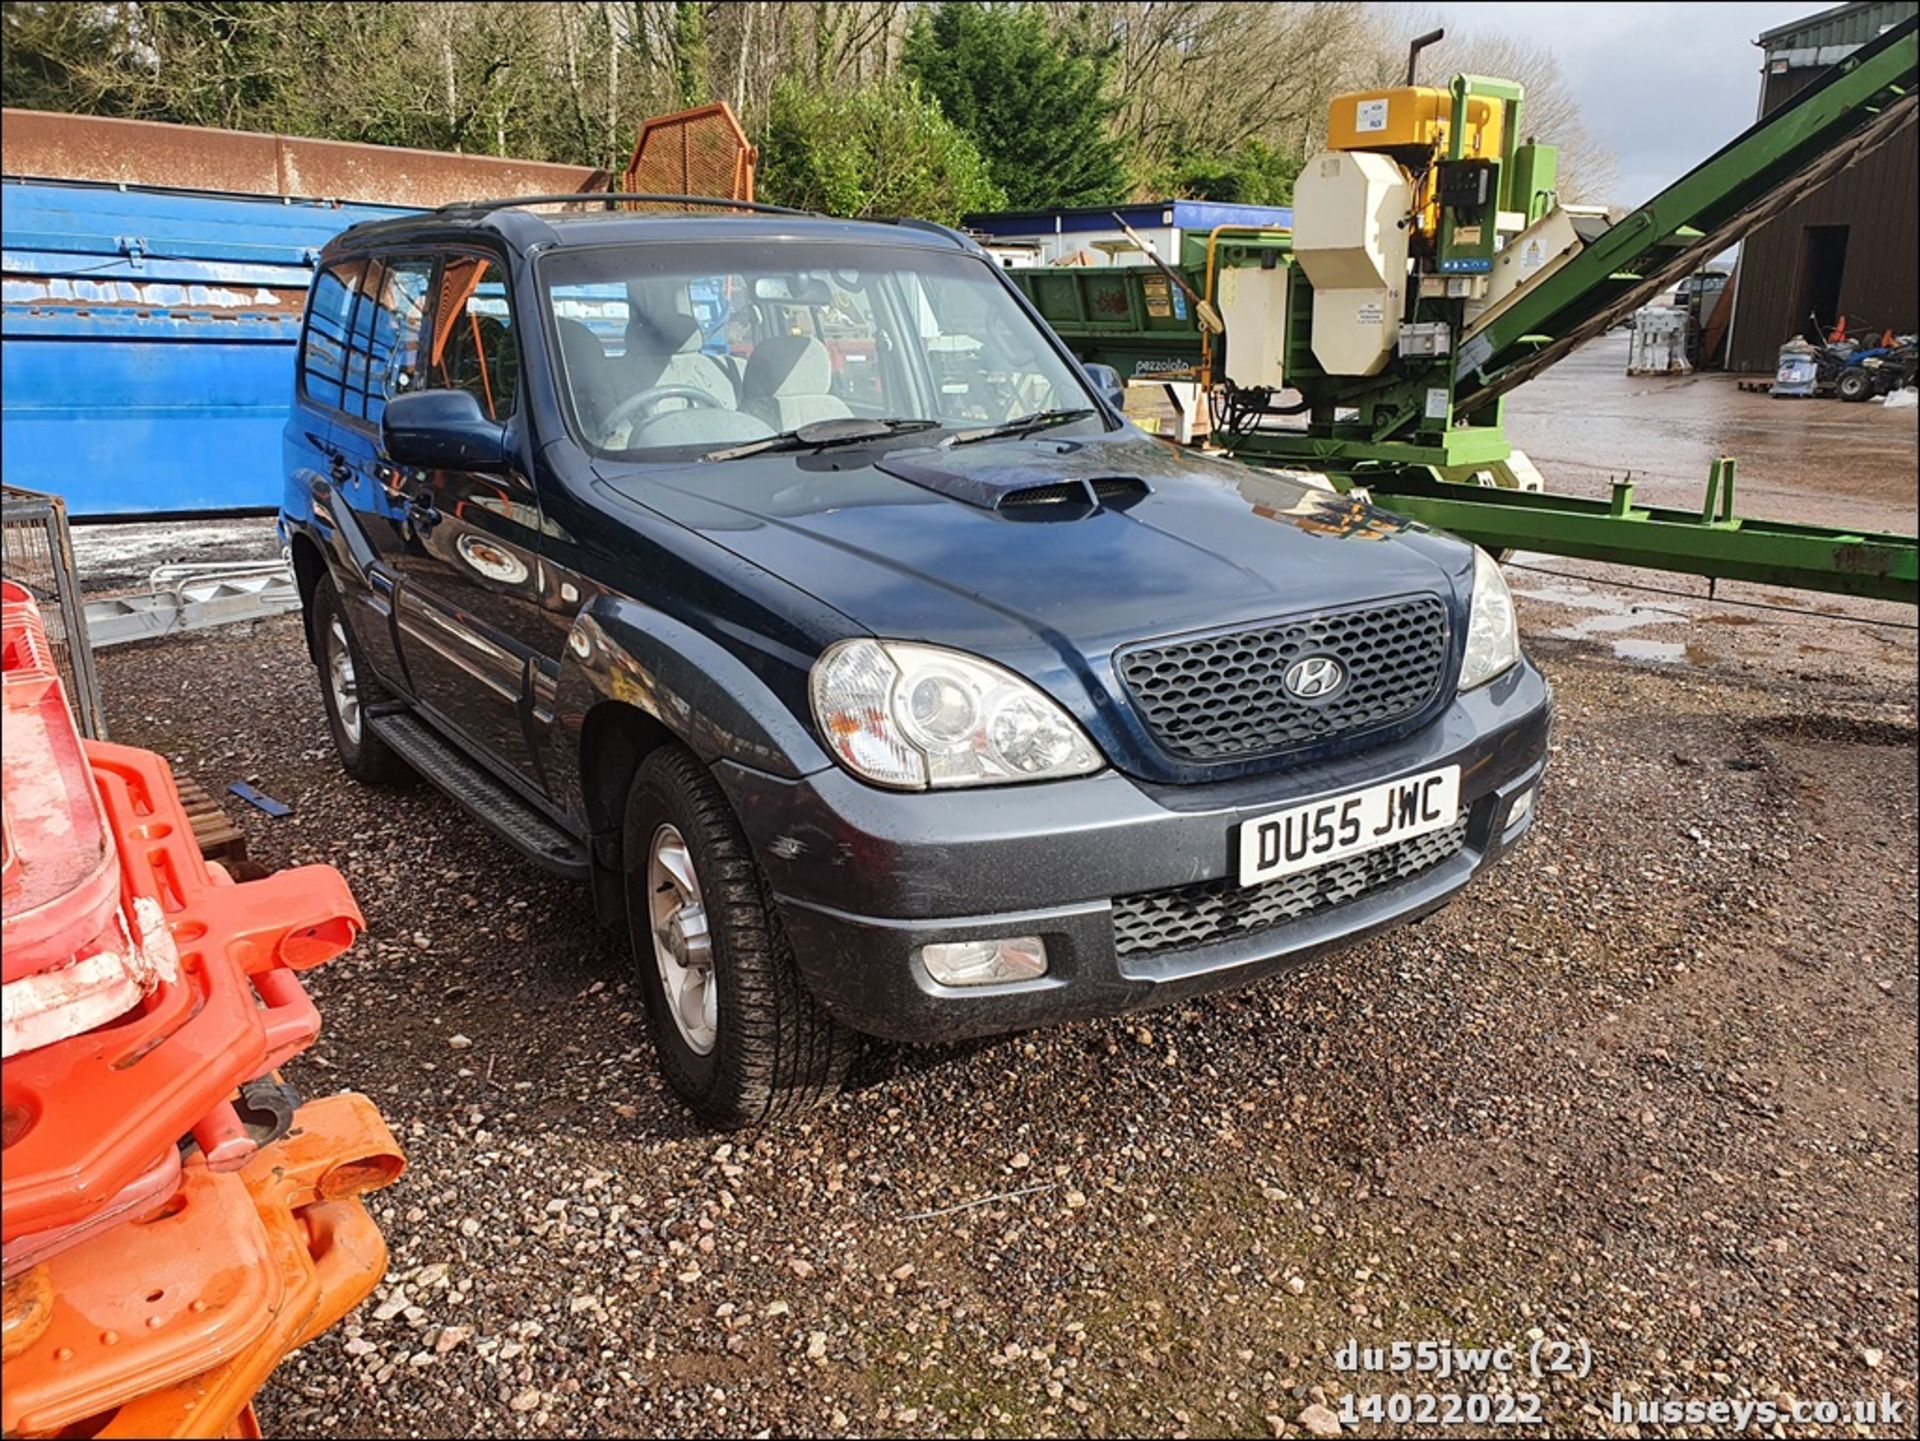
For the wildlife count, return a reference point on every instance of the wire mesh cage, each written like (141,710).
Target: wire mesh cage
(36,553)
(702,151)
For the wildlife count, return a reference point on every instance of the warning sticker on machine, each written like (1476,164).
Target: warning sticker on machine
(1437,403)
(1368,314)
(1370,115)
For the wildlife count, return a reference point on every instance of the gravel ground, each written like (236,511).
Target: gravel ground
(1650,1087)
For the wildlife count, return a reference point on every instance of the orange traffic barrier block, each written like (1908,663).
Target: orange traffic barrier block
(327,1250)
(147,1295)
(136,1198)
(85,1116)
(146,1304)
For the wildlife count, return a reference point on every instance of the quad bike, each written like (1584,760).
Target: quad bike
(1876,371)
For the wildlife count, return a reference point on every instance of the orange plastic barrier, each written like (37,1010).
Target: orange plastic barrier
(205,1299)
(136,1198)
(152,1285)
(139,1306)
(87,1115)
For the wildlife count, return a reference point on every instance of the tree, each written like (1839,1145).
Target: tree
(1034,99)
(1256,173)
(1069,102)
(882,149)
(1202,84)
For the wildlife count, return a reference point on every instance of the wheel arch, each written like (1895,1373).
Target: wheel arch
(615,737)
(309,569)
(632,679)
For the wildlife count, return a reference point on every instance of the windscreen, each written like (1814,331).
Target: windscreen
(671,349)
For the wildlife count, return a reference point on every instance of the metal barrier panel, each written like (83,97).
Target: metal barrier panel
(37,554)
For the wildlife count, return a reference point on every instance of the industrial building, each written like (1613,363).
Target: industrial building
(1849,248)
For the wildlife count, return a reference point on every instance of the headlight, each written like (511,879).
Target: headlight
(1493,641)
(916,716)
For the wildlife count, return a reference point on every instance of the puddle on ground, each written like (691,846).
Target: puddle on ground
(1610,616)
(1661,652)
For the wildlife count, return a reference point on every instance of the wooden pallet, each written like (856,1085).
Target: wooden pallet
(220,839)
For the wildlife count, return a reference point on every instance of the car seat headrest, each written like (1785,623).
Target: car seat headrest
(788,365)
(670,334)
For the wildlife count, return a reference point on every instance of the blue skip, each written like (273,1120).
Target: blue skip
(149,340)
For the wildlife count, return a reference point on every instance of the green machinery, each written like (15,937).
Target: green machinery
(1431,269)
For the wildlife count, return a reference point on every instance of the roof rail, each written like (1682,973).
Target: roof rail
(934,227)
(479,207)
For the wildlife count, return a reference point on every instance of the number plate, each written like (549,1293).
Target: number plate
(1302,837)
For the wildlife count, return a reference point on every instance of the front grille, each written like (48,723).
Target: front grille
(1209,911)
(1220,697)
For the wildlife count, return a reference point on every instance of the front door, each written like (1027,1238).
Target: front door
(473,609)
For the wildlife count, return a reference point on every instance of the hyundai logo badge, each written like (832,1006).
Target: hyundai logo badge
(1314,677)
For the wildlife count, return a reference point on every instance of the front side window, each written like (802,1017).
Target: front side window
(474,348)
(386,336)
(667,349)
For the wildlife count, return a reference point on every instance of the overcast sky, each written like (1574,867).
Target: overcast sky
(1663,85)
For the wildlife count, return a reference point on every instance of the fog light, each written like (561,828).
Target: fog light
(1520,807)
(986,963)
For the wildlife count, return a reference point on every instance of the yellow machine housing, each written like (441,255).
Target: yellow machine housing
(1413,124)
(1412,118)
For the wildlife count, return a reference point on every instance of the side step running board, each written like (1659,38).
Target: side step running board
(516,822)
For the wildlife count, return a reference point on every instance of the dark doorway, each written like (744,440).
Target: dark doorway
(1823,258)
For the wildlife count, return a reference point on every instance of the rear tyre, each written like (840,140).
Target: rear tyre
(1853,385)
(739,1037)
(348,690)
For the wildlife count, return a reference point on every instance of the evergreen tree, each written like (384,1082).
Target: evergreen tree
(883,149)
(1034,101)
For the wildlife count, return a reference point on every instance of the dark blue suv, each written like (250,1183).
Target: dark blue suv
(785,580)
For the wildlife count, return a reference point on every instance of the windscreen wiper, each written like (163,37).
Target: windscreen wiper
(822,434)
(1021,425)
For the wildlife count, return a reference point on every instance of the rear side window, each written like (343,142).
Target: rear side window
(474,348)
(323,357)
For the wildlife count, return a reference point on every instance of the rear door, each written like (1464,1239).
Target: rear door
(480,640)
(379,359)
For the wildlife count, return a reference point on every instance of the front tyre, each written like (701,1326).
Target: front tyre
(1855,385)
(738,1036)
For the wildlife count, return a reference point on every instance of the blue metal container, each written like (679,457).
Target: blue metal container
(149,340)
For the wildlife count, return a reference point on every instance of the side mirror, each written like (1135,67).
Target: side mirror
(442,430)
(1106,380)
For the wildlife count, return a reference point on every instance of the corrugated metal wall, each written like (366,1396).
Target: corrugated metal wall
(245,162)
(1877,200)
(147,339)
(149,334)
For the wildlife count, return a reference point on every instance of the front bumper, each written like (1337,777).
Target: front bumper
(864,878)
